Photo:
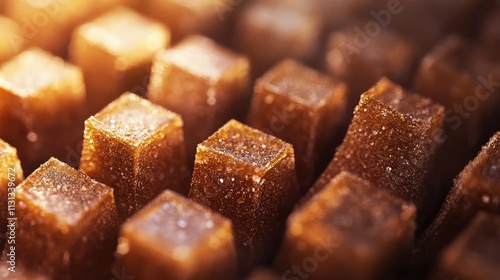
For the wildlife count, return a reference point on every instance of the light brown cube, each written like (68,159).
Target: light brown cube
(177,239)
(304,108)
(137,148)
(186,18)
(67,223)
(48,24)
(42,99)
(203,82)
(12,41)
(115,52)
(349,230)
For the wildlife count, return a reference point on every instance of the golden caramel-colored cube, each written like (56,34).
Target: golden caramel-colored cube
(390,141)
(12,42)
(42,99)
(204,83)
(304,108)
(249,177)
(176,238)
(361,60)
(67,223)
(351,229)
(136,148)
(475,253)
(187,17)
(269,33)
(48,24)
(115,52)
(476,189)
(11,174)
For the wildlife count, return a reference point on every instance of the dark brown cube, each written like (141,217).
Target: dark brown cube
(476,189)
(351,229)
(475,253)
(249,177)
(268,33)
(390,141)
(361,60)
(304,108)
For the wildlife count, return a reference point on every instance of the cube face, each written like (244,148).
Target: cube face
(68,219)
(186,17)
(357,227)
(475,253)
(361,63)
(149,154)
(214,79)
(12,41)
(134,119)
(390,141)
(249,177)
(263,28)
(41,100)
(176,235)
(303,108)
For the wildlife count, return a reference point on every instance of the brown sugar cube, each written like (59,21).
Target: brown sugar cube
(41,106)
(249,177)
(11,174)
(390,141)
(349,230)
(68,223)
(476,189)
(475,254)
(263,274)
(176,238)
(461,79)
(490,31)
(12,42)
(115,52)
(48,24)
(304,108)
(137,148)
(269,33)
(213,79)
(361,60)
(187,17)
